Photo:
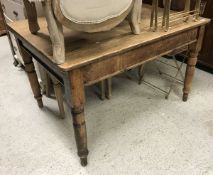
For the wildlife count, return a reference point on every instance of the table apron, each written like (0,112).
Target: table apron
(47,64)
(110,66)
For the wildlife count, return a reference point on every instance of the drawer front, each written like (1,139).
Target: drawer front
(13,10)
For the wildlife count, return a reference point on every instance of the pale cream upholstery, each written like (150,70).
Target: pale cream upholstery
(86,16)
(93,11)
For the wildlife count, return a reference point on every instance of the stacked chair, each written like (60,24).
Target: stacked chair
(164,22)
(100,16)
(84,16)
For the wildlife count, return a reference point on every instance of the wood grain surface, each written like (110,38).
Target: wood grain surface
(84,48)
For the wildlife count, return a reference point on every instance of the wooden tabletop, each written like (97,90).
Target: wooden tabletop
(83,48)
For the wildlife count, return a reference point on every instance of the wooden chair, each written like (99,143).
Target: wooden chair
(83,15)
(106,89)
(166,14)
(51,87)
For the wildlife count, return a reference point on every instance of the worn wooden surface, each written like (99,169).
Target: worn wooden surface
(108,67)
(83,48)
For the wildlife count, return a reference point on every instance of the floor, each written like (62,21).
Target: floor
(137,132)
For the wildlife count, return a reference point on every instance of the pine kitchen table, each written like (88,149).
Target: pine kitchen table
(91,58)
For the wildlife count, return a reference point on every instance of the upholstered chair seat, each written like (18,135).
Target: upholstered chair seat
(93,11)
(86,16)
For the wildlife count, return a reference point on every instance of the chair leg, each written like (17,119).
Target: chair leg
(164,14)
(103,90)
(48,85)
(32,16)
(187,9)
(154,15)
(140,73)
(108,88)
(59,96)
(56,33)
(168,14)
(134,17)
(45,81)
(197,8)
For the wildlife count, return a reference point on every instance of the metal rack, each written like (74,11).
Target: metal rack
(174,79)
(168,18)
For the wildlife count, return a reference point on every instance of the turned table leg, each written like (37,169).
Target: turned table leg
(103,90)
(32,16)
(106,89)
(192,61)
(140,73)
(79,124)
(190,70)
(109,88)
(32,76)
(48,85)
(59,96)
